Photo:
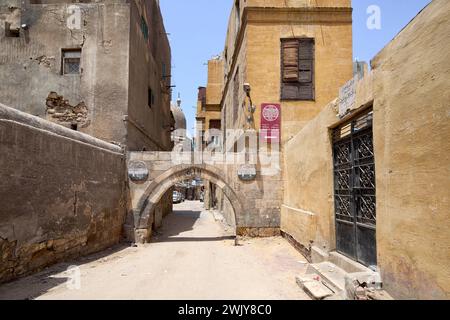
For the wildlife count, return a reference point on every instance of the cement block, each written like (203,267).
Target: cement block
(318,255)
(347,264)
(316,290)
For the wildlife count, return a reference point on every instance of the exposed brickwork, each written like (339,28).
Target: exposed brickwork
(258,232)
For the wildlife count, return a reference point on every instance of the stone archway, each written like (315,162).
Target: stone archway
(161,184)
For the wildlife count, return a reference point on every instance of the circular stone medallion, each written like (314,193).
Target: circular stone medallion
(137,171)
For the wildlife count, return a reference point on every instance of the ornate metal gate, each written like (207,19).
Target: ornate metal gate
(354,180)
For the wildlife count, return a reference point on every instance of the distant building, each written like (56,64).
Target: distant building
(208,116)
(179,129)
(296,54)
(100,67)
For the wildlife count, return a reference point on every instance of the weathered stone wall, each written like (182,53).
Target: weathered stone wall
(148,119)
(227,211)
(412,144)
(62,194)
(215,82)
(255,203)
(32,63)
(409,89)
(307,212)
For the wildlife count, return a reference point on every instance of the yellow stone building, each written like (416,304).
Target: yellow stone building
(363,188)
(293,53)
(267,40)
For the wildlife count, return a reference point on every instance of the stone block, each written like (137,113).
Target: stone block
(316,290)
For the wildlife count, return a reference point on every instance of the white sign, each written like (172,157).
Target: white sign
(137,171)
(347,97)
(247,172)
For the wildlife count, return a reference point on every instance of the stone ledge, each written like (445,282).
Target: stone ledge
(24,119)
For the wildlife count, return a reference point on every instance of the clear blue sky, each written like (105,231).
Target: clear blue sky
(198,27)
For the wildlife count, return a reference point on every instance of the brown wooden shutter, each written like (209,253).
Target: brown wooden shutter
(306,69)
(290,61)
(297,69)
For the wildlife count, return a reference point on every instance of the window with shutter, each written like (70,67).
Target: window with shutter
(290,61)
(297,68)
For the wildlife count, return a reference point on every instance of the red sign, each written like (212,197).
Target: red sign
(270,122)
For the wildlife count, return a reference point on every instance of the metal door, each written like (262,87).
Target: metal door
(354,185)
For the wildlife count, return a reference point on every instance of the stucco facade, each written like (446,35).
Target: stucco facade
(253,55)
(208,114)
(63,194)
(408,91)
(122,82)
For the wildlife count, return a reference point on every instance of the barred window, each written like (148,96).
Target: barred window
(71,61)
(144,28)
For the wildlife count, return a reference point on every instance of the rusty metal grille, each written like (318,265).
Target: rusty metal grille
(72,66)
(355,189)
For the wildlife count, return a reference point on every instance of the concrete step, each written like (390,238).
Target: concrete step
(332,275)
(314,288)
(346,264)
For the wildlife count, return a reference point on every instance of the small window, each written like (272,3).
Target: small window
(150,97)
(71,61)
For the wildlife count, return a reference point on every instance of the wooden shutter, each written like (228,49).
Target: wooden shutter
(297,69)
(306,69)
(290,61)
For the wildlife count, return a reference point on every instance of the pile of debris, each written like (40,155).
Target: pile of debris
(59,110)
(327,281)
(365,291)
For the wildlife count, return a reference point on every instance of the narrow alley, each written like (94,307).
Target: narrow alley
(193,256)
(224,150)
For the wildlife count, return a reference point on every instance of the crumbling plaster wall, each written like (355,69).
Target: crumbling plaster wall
(412,150)
(30,65)
(149,124)
(62,194)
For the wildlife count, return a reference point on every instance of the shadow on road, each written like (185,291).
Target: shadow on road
(194,239)
(30,287)
(180,222)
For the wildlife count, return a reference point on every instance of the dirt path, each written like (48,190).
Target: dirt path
(193,257)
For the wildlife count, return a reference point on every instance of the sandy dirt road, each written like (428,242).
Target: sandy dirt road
(191,257)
